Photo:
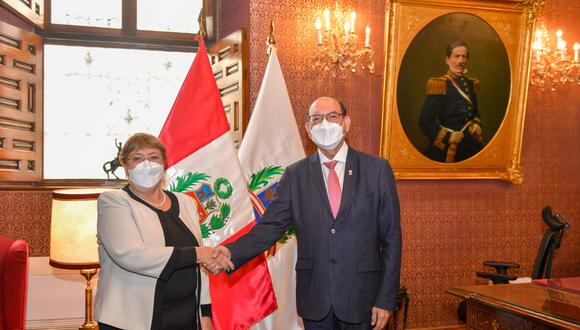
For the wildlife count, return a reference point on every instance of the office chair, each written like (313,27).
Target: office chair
(543,264)
(551,241)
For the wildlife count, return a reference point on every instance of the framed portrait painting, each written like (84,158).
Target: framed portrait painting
(455,87)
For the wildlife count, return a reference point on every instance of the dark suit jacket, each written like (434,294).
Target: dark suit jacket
(350,263)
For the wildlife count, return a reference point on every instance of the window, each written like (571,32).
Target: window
(96,13)
(168,15)
(112,68)
(95,95)
(108,69)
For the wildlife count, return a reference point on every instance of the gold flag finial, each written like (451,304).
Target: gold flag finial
(271,41)
(202,24)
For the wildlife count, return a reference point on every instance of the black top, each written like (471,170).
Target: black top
(177,290)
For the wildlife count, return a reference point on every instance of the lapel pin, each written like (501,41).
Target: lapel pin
(350,172)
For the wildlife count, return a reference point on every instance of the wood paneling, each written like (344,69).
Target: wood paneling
(232,15)
(8,17)
(30,10)
(229,61)
(20,104)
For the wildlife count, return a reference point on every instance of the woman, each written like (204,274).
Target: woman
(150,246)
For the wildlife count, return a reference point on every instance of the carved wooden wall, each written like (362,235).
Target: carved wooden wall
(229,61)
(29,10)
(20,104)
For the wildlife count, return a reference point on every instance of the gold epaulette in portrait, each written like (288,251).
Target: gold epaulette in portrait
(436,86)
(475,85)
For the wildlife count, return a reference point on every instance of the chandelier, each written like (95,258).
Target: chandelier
(338,43)
(552,65)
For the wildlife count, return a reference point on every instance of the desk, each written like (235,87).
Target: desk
(520,306)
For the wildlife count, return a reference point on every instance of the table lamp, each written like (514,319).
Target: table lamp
(73,238)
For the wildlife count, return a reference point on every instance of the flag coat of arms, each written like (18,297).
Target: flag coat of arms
(272,142)
(202,163)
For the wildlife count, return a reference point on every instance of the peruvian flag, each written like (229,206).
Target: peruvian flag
(271,143)
(202,162)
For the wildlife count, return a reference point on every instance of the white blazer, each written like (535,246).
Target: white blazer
(132,255)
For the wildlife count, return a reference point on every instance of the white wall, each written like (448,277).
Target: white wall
(56,297)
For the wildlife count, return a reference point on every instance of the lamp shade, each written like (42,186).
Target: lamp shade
(73,229)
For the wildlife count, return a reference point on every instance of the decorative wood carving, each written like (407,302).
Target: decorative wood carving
(20,105)
(229,61)
(30,10)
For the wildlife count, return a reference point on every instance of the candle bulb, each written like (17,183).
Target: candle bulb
(346,31)
(368,37)
(576,49)
(537,46)
(352,20)
(538,41)
(327,19)
(563,50)
(318,27)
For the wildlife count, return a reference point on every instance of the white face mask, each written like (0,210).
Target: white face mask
(146,174)
(326,135)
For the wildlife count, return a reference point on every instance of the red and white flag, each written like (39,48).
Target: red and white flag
(271,143)
(202,162)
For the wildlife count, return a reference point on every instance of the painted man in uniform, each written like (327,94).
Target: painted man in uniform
(450,115)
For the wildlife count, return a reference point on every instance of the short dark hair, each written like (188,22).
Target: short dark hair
(342,108)
(454,44)
(139,141)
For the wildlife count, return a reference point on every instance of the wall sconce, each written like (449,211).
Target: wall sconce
(338,43)
(552,65)
(73,238)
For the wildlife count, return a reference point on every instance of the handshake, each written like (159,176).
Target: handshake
(215,260)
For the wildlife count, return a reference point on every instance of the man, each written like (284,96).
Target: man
(345,207)
(450,115)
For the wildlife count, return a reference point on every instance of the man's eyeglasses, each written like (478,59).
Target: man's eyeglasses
(331,117)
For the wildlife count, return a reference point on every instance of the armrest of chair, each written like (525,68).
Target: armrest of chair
(496,278)
(500,266)
(15,284)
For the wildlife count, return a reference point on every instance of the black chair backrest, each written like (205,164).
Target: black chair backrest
(550,243)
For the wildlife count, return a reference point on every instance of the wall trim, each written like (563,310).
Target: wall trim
(57,324)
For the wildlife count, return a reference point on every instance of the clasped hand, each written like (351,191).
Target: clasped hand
(215,260)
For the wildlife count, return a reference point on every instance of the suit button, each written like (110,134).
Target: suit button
(332,261)
(332,231)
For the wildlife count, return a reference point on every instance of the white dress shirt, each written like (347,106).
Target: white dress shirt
(340,157)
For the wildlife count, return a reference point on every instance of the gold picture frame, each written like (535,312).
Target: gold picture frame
(412,23)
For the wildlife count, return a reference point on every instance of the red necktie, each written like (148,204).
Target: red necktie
(334,192)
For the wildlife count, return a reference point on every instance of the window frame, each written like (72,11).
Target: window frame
(128,36)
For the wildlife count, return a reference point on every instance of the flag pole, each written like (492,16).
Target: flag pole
(271,41)
(202,33)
